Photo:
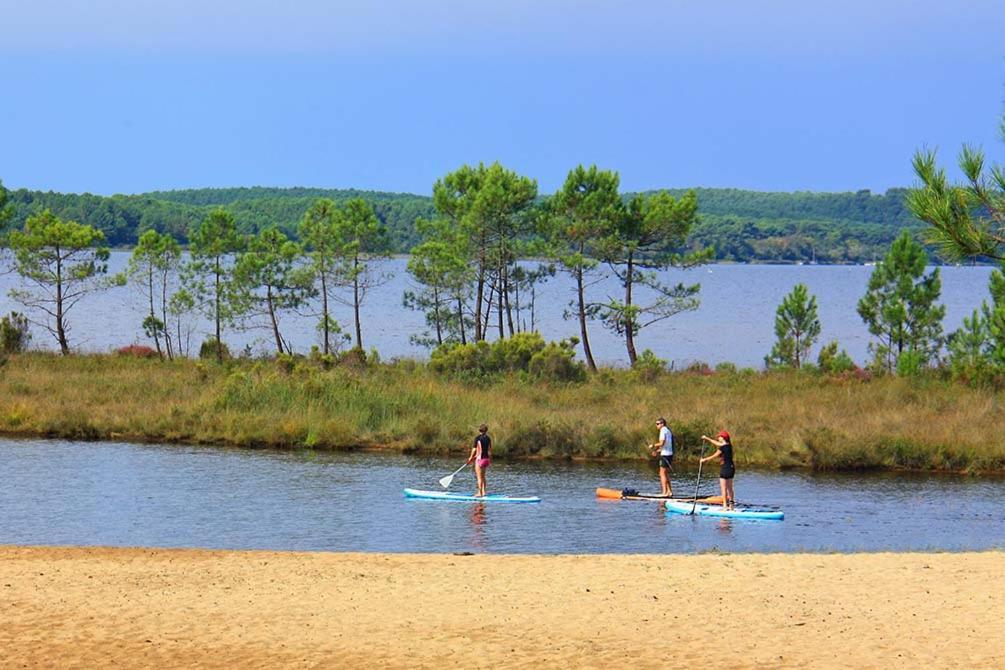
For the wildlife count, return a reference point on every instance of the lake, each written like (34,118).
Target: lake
(58,492)
(734,323)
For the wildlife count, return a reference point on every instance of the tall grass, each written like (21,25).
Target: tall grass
(778,420)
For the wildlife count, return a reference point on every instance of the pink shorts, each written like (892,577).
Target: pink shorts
(483,462)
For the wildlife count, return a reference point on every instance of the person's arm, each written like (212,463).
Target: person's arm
(657,445)
(474,450)
(718,441)
(718,452)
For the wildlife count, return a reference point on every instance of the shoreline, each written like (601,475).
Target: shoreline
(396,450)
(781,421)
(139,607)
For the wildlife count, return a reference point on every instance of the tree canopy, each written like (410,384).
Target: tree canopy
(740,225)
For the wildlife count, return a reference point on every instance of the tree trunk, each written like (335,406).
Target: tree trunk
(355,300)
(153,315)
(460,320)
(505,295)
(488,312)
(582,319)
(480,291)
(219,343)
(436,316)
(516,307)
(272,317)
(629,325)
(64,346)
(164,316)
(324,312)
(500,307)
(533,299)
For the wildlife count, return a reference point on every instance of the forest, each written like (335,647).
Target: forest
(741,226)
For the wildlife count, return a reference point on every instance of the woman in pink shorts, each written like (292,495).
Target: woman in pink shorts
(481,454)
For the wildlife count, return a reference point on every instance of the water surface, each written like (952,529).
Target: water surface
(73,493)
(734,323)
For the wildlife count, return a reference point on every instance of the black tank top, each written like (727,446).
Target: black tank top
(726,457)
(485,442)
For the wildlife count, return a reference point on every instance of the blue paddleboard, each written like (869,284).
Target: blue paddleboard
(467,497)
(740,512)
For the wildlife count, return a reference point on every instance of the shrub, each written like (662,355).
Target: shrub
(481,359)
(910,363)
(514,354)
(354,358)
(325,361)
(648,367)
(14,333)
(463,359)
(208,350)
(831,361)
(137,351)
(699,368)
(726,368)
(557,362)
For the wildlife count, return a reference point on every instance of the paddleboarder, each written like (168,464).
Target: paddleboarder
(727,470)
(481,455)
(665,446)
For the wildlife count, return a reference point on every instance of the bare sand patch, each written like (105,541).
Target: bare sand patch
(135,608)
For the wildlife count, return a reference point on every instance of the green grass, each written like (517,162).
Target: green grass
(777,420)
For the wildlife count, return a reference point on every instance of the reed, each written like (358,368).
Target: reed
(778,420)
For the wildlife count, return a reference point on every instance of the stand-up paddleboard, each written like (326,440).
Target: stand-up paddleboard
(740,512)
(467,497)
(626,494)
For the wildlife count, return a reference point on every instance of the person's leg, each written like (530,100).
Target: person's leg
(664,481)
(478,479)
(722,492)
(732,494)
(485,486)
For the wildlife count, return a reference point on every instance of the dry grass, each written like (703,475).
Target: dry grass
(778,420)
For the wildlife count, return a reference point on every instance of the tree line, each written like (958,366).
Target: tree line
(742,226)
(470,285)
(485,219)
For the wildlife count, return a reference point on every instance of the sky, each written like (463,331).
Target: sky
(128,96)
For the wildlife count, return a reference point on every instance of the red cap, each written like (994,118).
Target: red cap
(724,435)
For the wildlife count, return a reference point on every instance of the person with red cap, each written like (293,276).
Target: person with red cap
(727,470)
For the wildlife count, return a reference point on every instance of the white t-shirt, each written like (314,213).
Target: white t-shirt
(667,437)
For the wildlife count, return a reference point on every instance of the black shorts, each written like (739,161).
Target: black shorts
(727,472)
(666,461)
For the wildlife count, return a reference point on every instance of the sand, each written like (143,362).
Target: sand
(135,608)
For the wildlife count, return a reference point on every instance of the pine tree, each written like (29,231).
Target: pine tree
(215,244)
(650,237)
(153,268)
(797,328)
(900,308)
(586,209)
(63,261)
(965,221)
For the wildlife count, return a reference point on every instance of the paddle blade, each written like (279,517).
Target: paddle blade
(446,481)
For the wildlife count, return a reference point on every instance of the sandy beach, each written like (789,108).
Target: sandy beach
(134,608)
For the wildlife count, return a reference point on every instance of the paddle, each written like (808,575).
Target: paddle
(694,504)
(446,481)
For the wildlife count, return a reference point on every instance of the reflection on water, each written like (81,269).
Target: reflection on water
(60,492)
(479,518)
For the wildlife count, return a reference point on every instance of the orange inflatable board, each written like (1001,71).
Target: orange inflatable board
(617,494)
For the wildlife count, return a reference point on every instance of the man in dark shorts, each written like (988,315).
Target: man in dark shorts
(665,447)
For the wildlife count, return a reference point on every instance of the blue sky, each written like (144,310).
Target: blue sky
(113,97)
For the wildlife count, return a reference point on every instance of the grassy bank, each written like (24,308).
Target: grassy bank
(778,420)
